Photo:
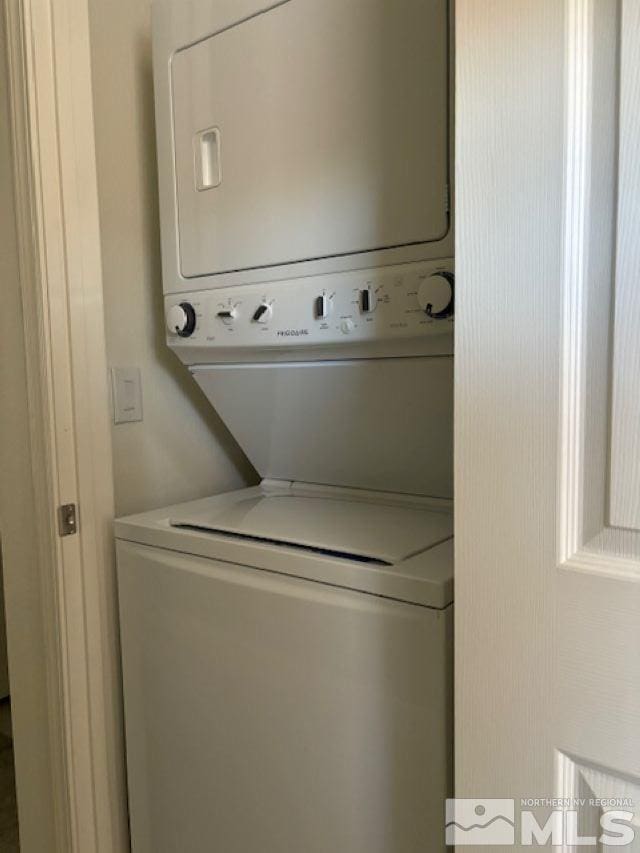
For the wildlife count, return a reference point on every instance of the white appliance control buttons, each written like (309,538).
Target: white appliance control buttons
(435,295)
(181,320)
(262,313)
(322,306)
(227,315)
(368,300)
(347,326)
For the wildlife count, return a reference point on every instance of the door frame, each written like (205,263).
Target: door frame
(58,235)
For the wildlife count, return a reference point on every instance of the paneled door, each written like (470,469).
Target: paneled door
(548,420)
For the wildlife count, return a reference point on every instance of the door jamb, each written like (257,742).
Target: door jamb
(49,78)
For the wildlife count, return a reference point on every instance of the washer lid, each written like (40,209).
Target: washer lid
(334,526)
(342,518)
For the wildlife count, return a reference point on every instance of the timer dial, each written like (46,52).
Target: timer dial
(435,295)
(181,319)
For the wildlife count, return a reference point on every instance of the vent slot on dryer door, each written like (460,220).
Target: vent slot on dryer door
(334,117)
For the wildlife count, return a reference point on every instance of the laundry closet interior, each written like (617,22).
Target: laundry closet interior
(279,300)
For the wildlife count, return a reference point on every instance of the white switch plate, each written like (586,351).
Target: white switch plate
(126,388)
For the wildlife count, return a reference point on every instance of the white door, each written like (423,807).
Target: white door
(548,414)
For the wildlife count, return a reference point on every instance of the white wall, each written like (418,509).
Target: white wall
(181,450)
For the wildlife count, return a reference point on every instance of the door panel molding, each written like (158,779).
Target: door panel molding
(579,781)
(624,495)
(587,541)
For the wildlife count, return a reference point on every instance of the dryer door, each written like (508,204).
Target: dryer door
(317,128)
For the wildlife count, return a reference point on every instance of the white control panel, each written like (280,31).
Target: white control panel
(385,304)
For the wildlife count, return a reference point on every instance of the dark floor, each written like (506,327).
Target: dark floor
(8,811)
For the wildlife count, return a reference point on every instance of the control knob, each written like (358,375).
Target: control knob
(368,299)
(322,306)
(435,295)
(227,315)
(181,320)
(262,313)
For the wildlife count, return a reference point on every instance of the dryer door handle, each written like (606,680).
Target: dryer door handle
(207,159)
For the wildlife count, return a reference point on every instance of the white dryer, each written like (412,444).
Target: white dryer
(287,656)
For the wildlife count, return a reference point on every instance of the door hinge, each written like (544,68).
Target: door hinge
(67,520)
(447,199)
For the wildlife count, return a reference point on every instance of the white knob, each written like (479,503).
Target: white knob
(347,326)
(176,319)
(435,295)
(227,315)
(263,313)
(181,319)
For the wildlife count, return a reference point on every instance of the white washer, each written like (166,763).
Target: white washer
(287,656)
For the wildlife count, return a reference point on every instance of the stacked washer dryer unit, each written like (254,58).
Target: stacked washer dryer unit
(287,647)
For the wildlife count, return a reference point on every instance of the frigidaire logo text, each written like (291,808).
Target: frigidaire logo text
(292,333)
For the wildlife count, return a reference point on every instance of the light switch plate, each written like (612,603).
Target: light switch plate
(126,386)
